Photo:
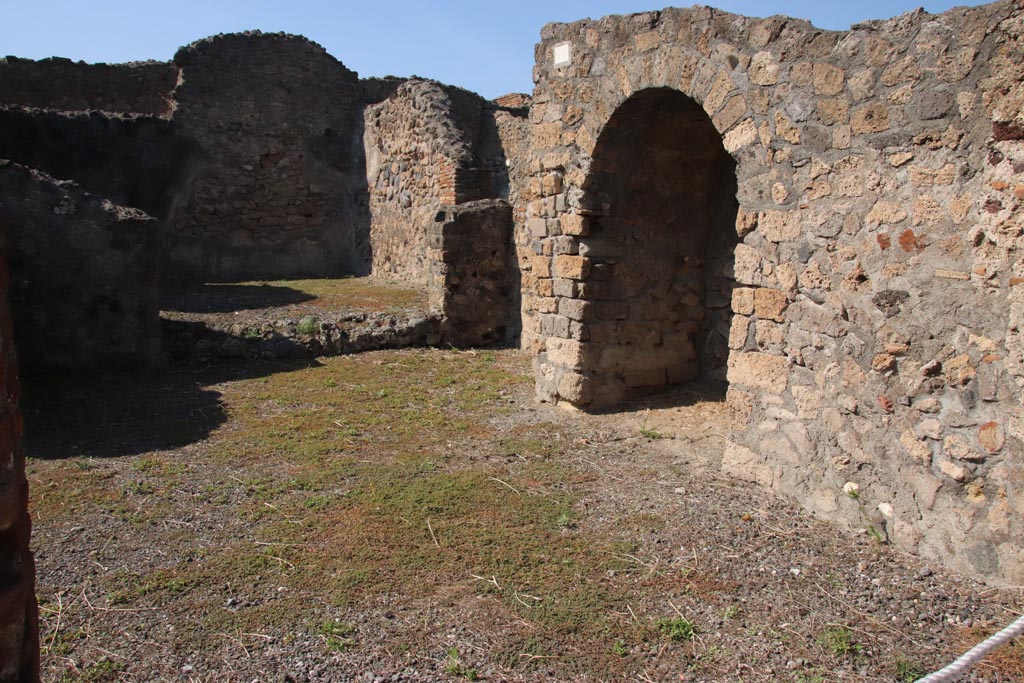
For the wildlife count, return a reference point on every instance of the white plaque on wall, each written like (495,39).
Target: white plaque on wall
(563,54)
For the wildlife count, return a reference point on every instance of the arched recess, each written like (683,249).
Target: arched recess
(662,197)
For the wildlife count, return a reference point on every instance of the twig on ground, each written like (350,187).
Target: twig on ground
(281,560)
(179,522)
(431,530)
(237,642)
(492,580)
(60,614)
(108,652)
(598,467)
(627,556)
(520,600)
(532,657)
(286,545)
(507,485)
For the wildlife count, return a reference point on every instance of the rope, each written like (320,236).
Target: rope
(967,661)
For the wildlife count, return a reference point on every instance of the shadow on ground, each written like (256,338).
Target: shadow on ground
(105,415)
(681,396)
(216,298)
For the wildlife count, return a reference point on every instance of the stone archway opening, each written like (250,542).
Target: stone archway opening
(662,197)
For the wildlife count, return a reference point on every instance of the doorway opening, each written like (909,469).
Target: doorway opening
(662,198)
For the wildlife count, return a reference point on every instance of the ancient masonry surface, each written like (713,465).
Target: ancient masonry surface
(827,223)
(875,341)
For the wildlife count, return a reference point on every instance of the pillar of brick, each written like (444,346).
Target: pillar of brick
(19,630)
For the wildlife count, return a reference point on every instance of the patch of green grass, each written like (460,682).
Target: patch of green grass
(340,483)
(455,666)
(431,398)
(839,641)
(907,670)
(565,520)
(139,487)
(156,466)
(812,676)
(318,502)
(100,671)
(676,629)
(146,464)
(308,326)
(123,512)
(162,581)
(62,642)
(649,433)
(337,634)
(353,293)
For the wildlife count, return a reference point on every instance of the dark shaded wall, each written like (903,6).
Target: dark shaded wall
(469,271)
(654,300)
(276,184)
(83,275)
(61,84)
(131,160)
(511,116)
(19,629)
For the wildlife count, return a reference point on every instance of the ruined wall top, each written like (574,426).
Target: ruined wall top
(257,72)
(254,36)
(57,83)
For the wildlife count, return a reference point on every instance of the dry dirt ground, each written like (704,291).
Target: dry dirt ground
(416,516)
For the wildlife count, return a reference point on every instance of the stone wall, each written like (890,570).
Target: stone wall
(64,85)
(131,160)
(276,186)
(469,271)
(511,118)
(434,154)
(19,630)
(420,146)
(83,284)
(874,347)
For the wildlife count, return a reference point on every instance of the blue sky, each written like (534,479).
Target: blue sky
(477,44)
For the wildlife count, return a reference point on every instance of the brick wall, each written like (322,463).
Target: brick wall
(437,159)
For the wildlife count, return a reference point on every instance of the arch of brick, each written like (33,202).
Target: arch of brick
(874,336)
